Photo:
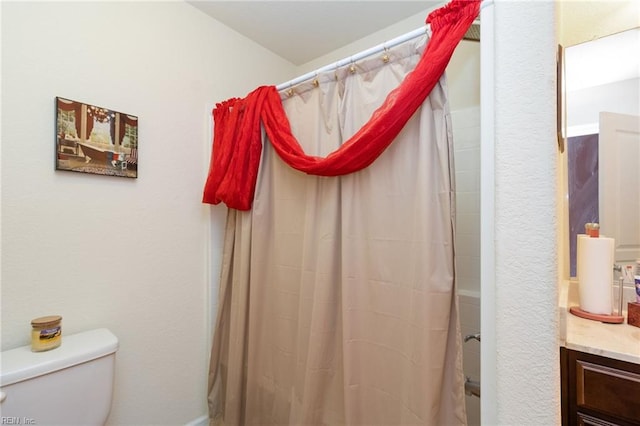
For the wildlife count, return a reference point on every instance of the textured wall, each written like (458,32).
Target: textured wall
(129,255)
(526,347)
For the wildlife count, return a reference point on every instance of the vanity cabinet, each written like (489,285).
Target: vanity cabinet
(599,391)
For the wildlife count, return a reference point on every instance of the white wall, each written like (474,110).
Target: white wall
(132,255)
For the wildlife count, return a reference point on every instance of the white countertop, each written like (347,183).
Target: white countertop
(617,341)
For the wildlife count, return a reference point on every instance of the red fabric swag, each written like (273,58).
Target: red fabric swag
(237,144)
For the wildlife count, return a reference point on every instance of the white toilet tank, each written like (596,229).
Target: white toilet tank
(69,385)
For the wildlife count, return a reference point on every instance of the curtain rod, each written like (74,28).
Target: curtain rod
(358,56)
(365,53)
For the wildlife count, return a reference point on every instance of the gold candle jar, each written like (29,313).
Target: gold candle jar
(46,333)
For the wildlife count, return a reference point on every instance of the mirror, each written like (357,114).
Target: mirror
(602,95)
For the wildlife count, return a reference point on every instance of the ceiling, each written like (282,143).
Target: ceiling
(300,31)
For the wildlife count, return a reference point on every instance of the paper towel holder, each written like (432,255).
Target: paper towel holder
(609,319)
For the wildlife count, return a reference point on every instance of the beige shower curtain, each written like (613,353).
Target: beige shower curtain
(337,298)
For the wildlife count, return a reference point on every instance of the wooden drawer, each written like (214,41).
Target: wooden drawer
(608,390)
(599,390)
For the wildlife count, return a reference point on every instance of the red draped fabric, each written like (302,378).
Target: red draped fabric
(89,126)
(237,144)
(126,119)
(67,105)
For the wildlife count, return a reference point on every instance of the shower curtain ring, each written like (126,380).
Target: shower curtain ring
(352,67)
(315,82)
(290,91)
(385,56)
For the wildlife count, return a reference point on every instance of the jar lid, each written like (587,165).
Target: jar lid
(48,320)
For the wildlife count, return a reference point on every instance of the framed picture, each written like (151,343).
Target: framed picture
(92,139)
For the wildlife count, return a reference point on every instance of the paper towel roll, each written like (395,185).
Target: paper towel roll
(578,258)
(595,274)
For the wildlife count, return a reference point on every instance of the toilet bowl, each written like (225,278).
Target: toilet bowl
(69,385)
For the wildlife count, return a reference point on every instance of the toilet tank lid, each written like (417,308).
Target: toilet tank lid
(21,363)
